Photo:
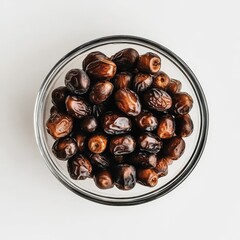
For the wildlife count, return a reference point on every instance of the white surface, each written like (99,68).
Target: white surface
(34,35)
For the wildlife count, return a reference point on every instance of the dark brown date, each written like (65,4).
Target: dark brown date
(174,147)
(53,110)
(128,102)
(122,80)
(161,167)
(184,125)
(114,123)
(125,59)
(157,99)
(78,107)
(174,86)
(125,176)
(59,125)
(144,159)
(97,143)
(104,179)
(182,103)
(91,57)
(101,69)
(59,96)
(79,167)
(99,110)
(99,160)
(81,142)
(120,159)
(166,126)
(147,177)
(77,81)
(89,124)
(123,144)
(100,91)
(149,142)
(141,82)
(64,148)
(149,63)
(161,81)
(146,121)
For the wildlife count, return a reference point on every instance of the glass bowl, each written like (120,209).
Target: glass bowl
(177,172)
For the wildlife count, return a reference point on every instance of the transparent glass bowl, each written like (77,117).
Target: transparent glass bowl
(177,172)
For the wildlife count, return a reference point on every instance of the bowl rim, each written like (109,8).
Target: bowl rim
(203,133)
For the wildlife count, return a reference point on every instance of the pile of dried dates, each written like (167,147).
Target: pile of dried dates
(119,120)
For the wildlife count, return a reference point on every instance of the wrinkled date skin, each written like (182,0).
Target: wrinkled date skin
(101,69)
(161,167)
(99,160)
(147,177)
(157,99)
(161,81)
(125,176)
(91,57)
(114,124)
(100,91)
(166,126)
(64,148)
(79,167)
(59,96)
(104,179)
(174,147)
(120,145)
(128,102)
(59,125)
(174,86)
(144,159)
(149,142)
(184,125)
(77,81)
(78,107)
(142,82)
(146,121)
(122,80)
(182,103)
(125,59)
(149,63)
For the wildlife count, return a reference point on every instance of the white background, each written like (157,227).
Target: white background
(34,35)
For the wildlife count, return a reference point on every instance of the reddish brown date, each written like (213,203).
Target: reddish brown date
(59,125)
(157,99)
(128,102)
(147,177)
(114,123)
(174,148)
(78,107)
(97,143)
(182,103)
(161,167)
(101,69)
(81,142)
(100,92)
(91,57)
(125,59)
(122,80)
(89,124)
(77,81)
(184,125)
(144,159)
(120,145)
(104,179)
(149,142)
(174,86)
(146,121)
(79,167)
(161,81)
(64,148)
(149,63)
(141,82)
(125,176)
(166,126)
